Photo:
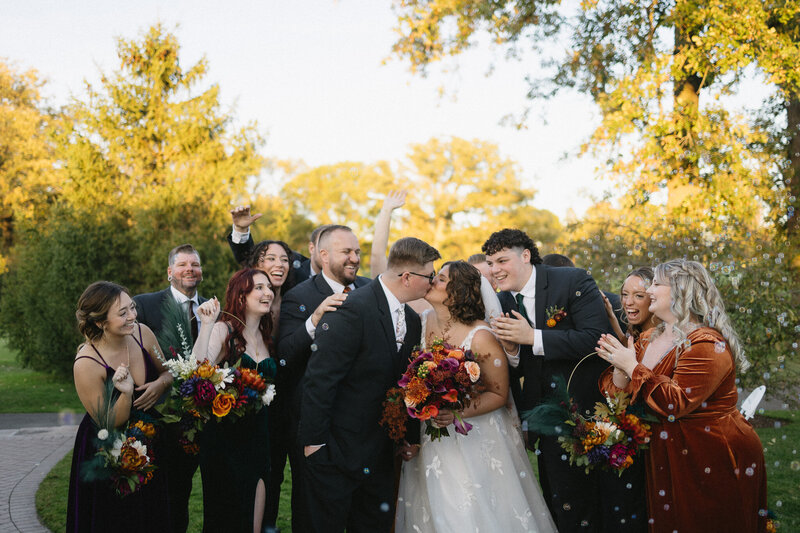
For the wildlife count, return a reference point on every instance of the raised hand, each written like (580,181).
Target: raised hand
(122,379)
(209,311)
(242,218)
(395,200)
(331,303)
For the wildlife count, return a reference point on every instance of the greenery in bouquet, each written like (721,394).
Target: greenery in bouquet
(124,456)
(610,439)
(441,377)
(200,391)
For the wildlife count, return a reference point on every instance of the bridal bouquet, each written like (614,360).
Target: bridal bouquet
(201,391)
(124,456)
(610,439)
(441,377)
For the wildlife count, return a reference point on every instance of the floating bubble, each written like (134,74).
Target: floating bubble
(795,465)
(719,346)
(584,523)
(566,507)
(296,264)
(707,470)
(777,464)
(778,503)
(314,347)
(662,492)
(385,507)
(302,308)
(523,475)
(577,293)
(366,471)
(282,362)
(664,435)
(671,406)
(628,486)
(688,390)
(497,363)
(749,471)
(707,428)
(666,507)
(537,452)
(671,418)
(777,424)
(563,457)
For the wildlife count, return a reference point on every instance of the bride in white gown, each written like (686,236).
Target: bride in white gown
(481,482)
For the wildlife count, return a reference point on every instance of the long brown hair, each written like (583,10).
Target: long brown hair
(240,285)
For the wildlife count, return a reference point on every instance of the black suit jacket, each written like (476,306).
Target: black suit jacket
(148,308)
(346,381)
(300,263)
(294,343)
(565,344)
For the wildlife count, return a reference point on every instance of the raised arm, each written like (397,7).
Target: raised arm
(242,220)
(208,345)
(380,241)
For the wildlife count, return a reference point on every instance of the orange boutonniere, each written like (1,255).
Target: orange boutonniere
(554,316)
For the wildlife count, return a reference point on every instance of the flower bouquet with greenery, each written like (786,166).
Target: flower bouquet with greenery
(609,439)
(441,377)
(124,456)
(201,391)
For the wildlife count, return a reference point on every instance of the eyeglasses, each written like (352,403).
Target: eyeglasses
(429,276)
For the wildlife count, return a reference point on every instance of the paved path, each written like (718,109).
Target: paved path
(30,445)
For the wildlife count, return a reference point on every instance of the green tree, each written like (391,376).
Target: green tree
(145,163)
(461,191)
(27,184)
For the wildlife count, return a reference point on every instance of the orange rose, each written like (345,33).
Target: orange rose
(222,404)
(551,322)
(457,355)
(473,370)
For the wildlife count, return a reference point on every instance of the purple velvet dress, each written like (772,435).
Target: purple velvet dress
(94,506)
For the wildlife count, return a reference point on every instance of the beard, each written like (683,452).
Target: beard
(345,275)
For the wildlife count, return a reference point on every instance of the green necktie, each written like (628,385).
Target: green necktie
(521,306)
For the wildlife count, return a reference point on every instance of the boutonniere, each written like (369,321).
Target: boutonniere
(554,316)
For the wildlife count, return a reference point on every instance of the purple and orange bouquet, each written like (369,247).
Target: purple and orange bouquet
(201,391)
(609,439)
(441,377)
(124,456)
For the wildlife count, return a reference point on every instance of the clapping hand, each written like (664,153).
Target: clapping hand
(242,218)
(514,330)
(613,351)
(122,379)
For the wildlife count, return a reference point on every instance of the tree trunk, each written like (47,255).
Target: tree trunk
(682,185)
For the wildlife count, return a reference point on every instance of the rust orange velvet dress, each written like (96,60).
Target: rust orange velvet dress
(705,466)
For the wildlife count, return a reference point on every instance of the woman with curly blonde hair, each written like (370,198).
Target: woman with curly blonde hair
(705,467)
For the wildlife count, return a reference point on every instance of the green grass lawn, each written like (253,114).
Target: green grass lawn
(25,391)
(780,445)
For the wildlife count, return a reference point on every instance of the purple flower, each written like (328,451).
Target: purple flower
(462,426)
(188,387)
(618,455)
(598,454)
(449,365)
(205,392)
(403,381)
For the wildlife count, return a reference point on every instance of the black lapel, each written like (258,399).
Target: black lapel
(384,315)
(322,285)
(541,289)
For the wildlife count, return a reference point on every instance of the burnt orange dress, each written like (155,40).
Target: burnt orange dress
(705,466)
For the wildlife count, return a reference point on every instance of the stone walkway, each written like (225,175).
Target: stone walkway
(30,445)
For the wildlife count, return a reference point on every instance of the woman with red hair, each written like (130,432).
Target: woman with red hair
(234,455)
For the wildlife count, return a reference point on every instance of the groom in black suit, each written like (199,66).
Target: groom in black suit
(301,310)
(362,350)
(184,274)
(532,295)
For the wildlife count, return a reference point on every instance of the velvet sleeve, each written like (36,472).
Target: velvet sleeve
(698,374)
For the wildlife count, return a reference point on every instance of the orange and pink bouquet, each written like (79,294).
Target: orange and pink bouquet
(441,377)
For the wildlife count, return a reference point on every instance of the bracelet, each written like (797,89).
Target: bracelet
(519,347)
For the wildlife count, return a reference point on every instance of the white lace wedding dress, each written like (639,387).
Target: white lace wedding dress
(481,482)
